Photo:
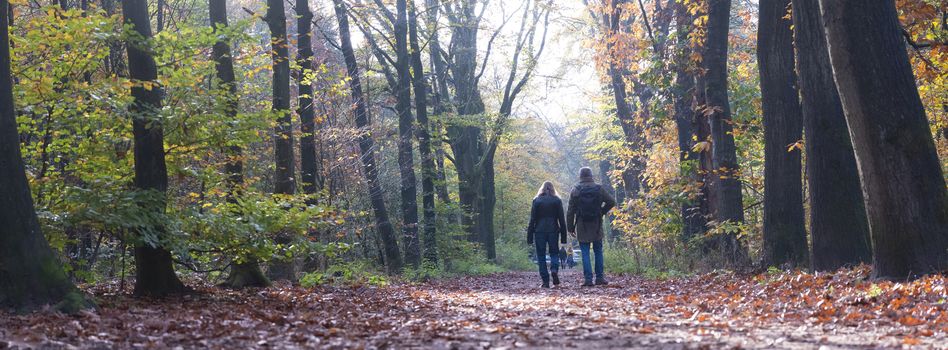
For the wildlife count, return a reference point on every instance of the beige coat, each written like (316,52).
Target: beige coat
(587,231)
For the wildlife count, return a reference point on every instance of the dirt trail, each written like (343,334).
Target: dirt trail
(510,311)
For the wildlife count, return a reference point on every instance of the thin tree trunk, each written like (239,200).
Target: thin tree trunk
(284,181)
(406,128)
(784,225)
(901,175)
(246,273)
(367,145)
(31,275)
(424,140)
(154,268)
(726,180)
(839,229)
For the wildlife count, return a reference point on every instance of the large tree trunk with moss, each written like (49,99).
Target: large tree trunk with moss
(839,229)
(246,273)
(406,132)
(367,145)
(424,140)
(902,179)
(30,273)
(784,225)
(726,183)
(284,177)
(154,268)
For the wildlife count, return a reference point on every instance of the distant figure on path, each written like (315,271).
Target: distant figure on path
(546,222)
(570,262)
(588,202)
(562,255)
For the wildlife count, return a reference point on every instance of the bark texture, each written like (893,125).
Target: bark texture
(725,182)
(902,180)
(839,229)
(784,225)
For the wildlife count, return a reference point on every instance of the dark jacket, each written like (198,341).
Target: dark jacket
(587,231)
(546,216)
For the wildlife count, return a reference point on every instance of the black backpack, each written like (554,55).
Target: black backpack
(589,205)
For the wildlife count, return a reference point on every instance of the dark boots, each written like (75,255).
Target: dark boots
(556,279)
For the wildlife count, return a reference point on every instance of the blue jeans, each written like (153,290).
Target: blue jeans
(544,240)
(587,269)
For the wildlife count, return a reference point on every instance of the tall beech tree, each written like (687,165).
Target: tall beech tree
(428,171)
(784,225)
(284,181)
(474,139)
(839,229)
(693,211)
(440,97)
(725,179)
(901,175)
(154,267)
(400,83)
(406,131)
(367,144)
(304,59)
(30,273)
(625,114)
(245,273)
(466,137)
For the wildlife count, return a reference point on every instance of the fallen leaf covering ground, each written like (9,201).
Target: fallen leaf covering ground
(717,310)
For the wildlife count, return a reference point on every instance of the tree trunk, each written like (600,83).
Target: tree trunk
(30,273)
(467,141)
(693,220)
(839,229)
(284,182)
(406,162)
(154,267)
(784,225)
(248,273)
(304,44)
(424,140)
(901,175)
(367,145)
(726,180)
(634,136)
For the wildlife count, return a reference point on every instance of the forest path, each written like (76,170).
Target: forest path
(509,310)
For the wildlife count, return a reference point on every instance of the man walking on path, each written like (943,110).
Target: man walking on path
(588,202)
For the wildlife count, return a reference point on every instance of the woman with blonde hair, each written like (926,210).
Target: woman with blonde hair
(547,220)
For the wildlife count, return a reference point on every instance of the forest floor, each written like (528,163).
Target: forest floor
(508,310)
